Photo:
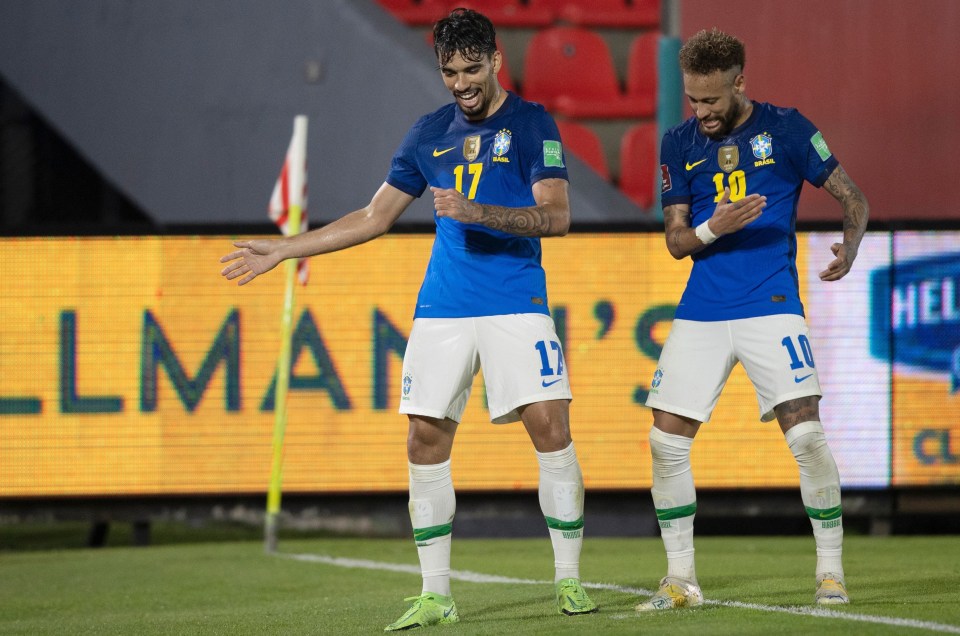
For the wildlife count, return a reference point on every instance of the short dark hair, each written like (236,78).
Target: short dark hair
(466,32)
(710,51)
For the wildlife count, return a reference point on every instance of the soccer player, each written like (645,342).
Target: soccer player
(732,176)
(495,166)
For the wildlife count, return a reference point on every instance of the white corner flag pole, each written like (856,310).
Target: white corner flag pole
(296,172)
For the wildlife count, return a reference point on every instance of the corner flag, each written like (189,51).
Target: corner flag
(288,201)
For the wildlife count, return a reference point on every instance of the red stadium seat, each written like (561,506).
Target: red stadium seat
(642,69)
(616,14)
(415,13)
(570,71)
(638,163)
(584,143)
(508,13)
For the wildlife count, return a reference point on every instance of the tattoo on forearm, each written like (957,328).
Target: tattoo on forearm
(856,210)
(533,221)
(676,237)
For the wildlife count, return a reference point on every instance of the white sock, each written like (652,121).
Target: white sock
(432,505)
(675,500)
(820,491)
(561,500)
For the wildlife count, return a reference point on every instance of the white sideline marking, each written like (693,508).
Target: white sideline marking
(477,577)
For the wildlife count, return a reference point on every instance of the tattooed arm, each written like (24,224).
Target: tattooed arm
(682,240)
(856,210)
(549,217)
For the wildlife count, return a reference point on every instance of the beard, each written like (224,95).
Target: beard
(727,122)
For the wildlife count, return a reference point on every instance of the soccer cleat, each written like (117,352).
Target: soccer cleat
(572,599)
(673,593)
(427,609)
(831,590)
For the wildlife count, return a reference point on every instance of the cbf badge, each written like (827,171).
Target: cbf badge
(471,147)
(501,143)
(728,157)
(762,146)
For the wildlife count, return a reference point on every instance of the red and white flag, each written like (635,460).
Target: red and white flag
(290,192)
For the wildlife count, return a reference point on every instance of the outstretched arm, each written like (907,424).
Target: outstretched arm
(549,217)
(259,256)
(683,240)
(856,210)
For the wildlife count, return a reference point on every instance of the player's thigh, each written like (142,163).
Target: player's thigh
(777,355)
(439,365)
(693,368)
(522,363)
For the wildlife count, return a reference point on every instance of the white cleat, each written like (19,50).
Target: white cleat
(673,593)
(831,590)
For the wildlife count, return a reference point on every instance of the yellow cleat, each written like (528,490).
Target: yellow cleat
(831,590)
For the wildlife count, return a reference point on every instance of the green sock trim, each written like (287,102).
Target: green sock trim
(556,524)
(824,514)
(665,514)
(425,534)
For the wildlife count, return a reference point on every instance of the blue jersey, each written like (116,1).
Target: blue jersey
(752,272)
(475,270)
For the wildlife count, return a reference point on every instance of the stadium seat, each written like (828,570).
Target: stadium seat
(570,71)
(638,163)
(414,13)
(583,142)
(642,69)
(509,13)
(616,14)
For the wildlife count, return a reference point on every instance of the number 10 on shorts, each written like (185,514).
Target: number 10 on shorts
(805,349)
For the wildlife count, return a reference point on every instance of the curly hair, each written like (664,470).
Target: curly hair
(710,51)
(466,32)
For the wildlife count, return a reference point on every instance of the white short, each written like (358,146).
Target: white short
(520,355)
(698,357)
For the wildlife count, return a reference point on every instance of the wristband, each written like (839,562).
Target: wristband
(704,234)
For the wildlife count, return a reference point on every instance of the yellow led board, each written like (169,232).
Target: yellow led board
(128,366)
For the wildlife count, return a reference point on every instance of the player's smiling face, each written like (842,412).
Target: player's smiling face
(717,100)
(474,84)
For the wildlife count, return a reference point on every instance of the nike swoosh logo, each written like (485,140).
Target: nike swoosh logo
(798,380)
(546,384)
(437,153)
(447,612)
(690,166)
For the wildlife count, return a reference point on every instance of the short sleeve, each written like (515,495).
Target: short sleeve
(405,174)
(815,158)
(674,187)
(543,149)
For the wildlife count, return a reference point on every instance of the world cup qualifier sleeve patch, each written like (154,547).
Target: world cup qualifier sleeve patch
(552,154)
(665,178)
(820,146)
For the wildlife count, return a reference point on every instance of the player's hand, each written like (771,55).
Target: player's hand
(840,267)
(450,203)
(252,259)
(728,217)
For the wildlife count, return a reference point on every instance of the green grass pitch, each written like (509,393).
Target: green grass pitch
(753,585)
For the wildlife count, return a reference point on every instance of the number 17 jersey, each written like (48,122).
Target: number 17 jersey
(475,270)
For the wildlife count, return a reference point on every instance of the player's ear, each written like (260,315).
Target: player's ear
(497,61)
(740,84)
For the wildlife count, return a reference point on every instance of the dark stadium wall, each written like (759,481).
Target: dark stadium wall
(188,106)
(876,76)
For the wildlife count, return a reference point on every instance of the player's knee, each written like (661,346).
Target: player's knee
(808,443)
(669,451)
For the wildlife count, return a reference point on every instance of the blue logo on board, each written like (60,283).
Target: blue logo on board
(915,314)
